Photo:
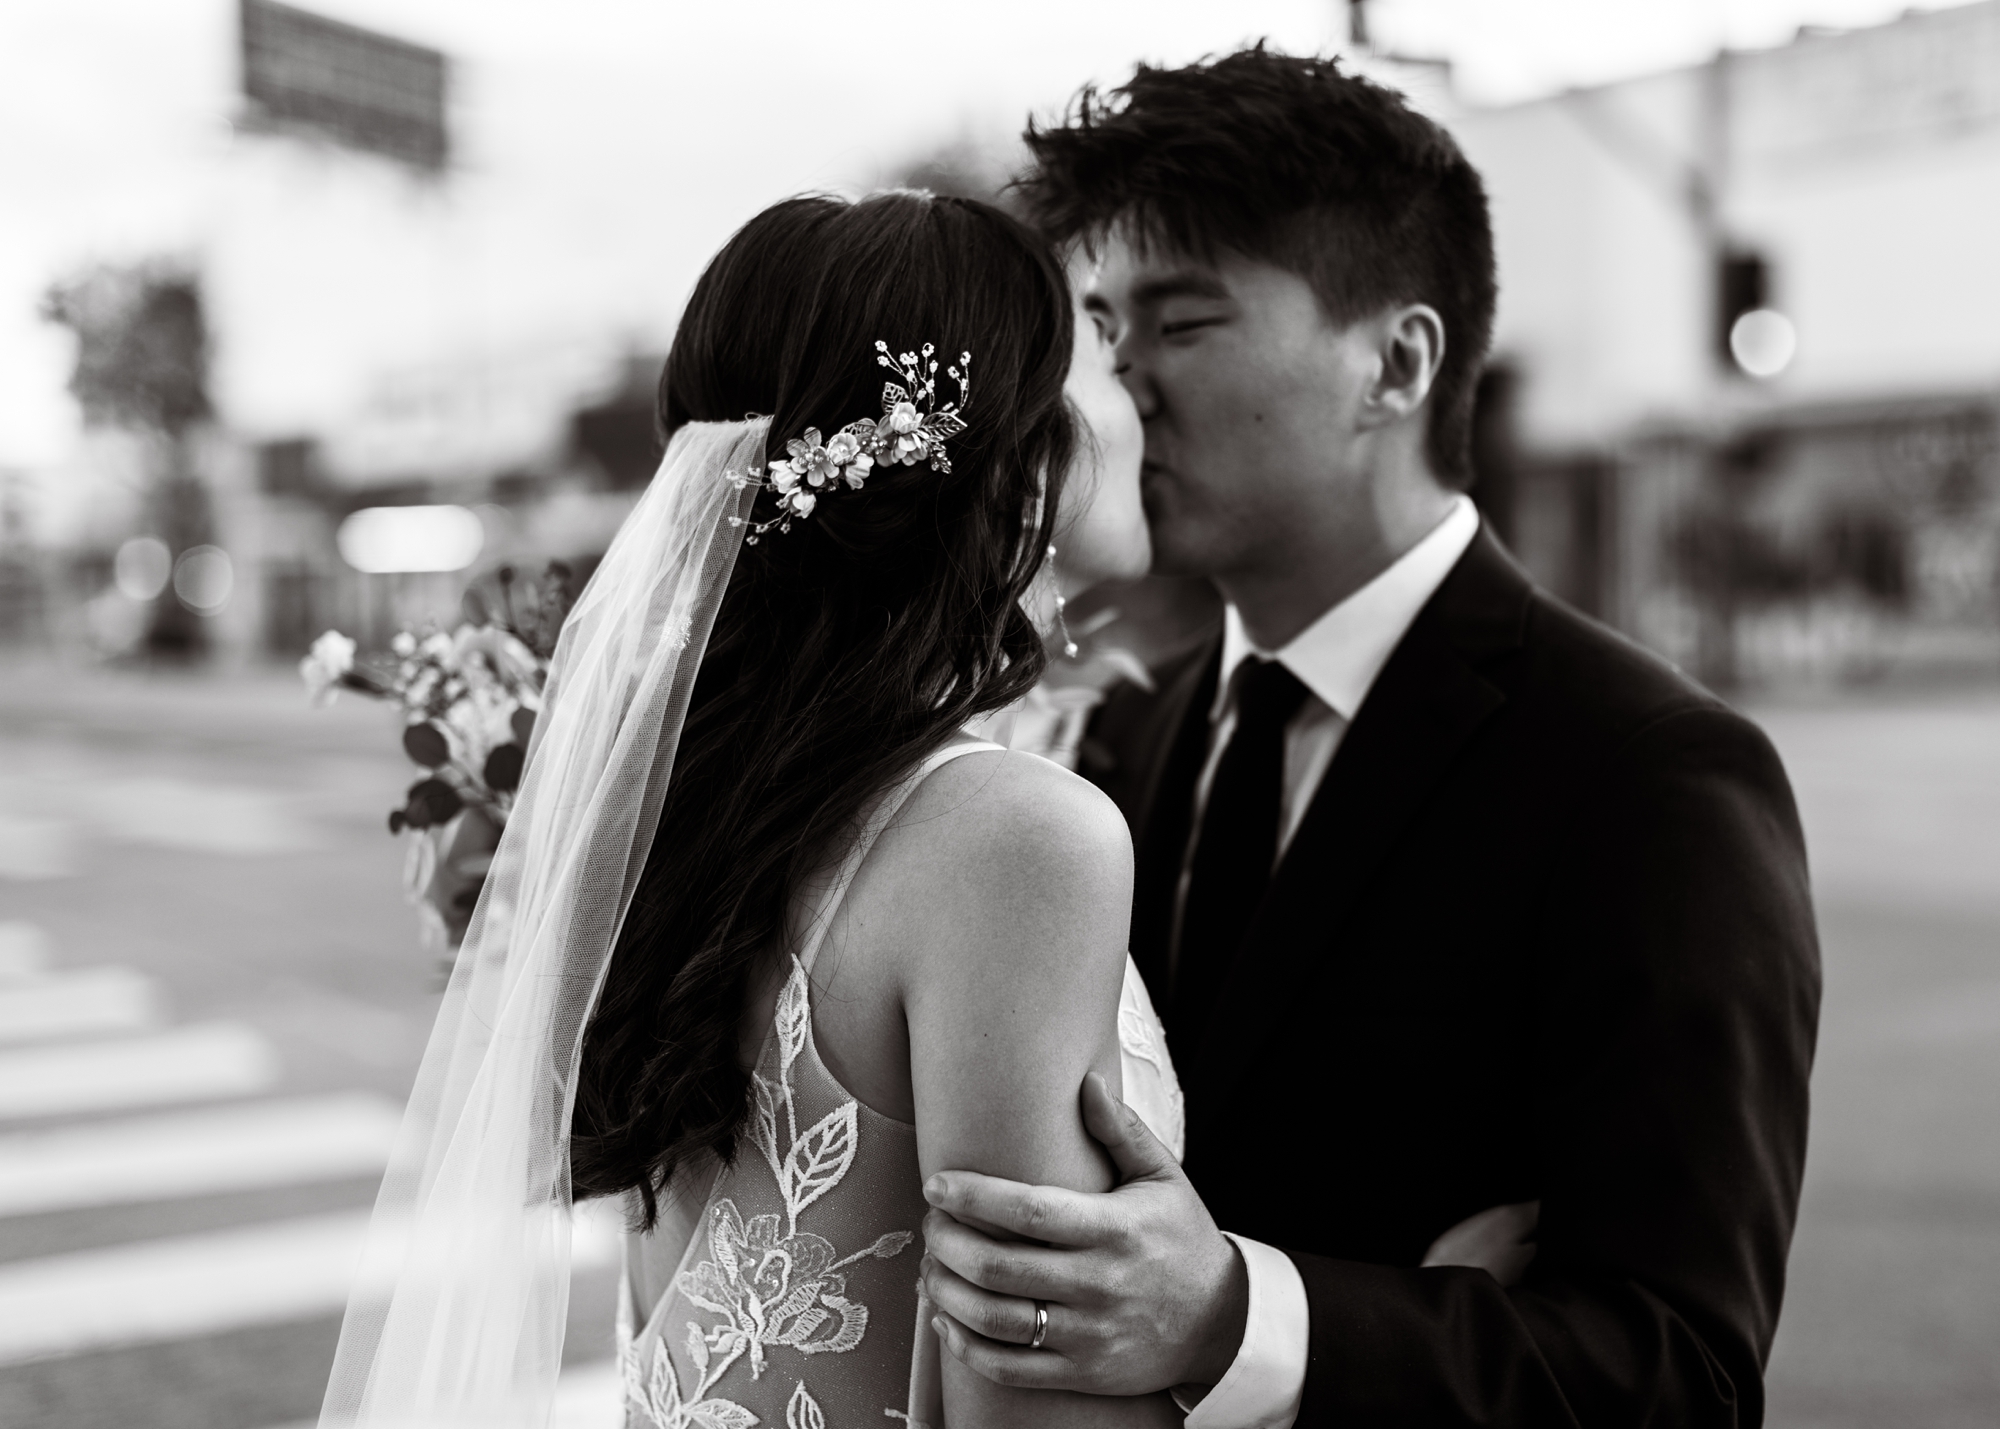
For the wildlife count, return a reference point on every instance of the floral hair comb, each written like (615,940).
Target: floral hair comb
(913,428)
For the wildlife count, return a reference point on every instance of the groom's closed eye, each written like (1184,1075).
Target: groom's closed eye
(1179,327)
(1181,313)
(1180,304)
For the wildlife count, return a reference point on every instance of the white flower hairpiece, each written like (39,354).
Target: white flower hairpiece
(913,428)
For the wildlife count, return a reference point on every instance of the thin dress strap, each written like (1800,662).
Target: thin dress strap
(879,818)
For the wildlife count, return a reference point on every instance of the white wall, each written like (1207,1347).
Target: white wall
(1866,167)
(1889,263)
(1601,266)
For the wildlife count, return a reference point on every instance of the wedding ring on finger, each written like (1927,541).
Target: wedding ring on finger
(1041,1324)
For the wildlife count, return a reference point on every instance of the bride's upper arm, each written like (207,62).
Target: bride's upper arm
(1012,959)
(1014,955)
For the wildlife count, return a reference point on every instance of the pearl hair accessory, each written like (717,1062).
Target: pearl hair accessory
(913,428)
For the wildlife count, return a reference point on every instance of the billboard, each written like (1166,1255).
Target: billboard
(357,88)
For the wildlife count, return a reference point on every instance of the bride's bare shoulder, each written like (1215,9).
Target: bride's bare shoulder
(1012,815)
(985,933)
(998,840)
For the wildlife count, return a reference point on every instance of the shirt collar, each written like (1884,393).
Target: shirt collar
(1339,655)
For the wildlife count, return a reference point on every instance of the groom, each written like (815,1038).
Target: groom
(1453,901)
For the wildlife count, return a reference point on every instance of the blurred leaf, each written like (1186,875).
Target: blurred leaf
(523,722)
(426,745)
(366,682)
(530,607)
(432,802)
(503,768)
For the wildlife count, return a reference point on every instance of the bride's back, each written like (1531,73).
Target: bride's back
(848,647)
(932,1016)
(828,1045)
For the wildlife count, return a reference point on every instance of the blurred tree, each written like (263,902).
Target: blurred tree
(958,168)
(621,434)
(142,366)
(1496,446)
(1729,562)
(20,576)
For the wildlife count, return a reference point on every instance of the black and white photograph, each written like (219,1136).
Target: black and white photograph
(1065,715)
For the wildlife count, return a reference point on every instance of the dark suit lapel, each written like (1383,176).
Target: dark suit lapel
(1162,814)
(1428,701)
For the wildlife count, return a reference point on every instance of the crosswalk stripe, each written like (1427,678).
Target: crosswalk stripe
(24,950)
(210,1059)
(194,1153)
(38,848)
(588,1396)
(183,1286)
(178,1287)
(90,1000)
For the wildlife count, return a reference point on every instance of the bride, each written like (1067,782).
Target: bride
(771,937)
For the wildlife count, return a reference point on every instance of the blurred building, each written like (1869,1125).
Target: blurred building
(547,450)
(1746,394)
(1743,403)
(336,262)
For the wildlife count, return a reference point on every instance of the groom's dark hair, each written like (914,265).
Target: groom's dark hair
(1290,162)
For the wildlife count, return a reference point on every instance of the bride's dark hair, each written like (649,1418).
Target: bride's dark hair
(846,650)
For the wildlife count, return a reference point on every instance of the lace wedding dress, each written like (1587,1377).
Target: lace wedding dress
(794,1299)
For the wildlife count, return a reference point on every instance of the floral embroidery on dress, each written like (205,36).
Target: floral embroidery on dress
(1155,1095)
(1135,1035)
(655,1391)
(770,1285)
(802,1410)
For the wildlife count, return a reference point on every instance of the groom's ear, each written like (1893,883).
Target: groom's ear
(1409,343)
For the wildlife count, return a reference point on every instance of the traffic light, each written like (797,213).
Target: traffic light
(1742,285)
(1752,337)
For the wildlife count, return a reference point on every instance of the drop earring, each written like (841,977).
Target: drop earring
(1062,625)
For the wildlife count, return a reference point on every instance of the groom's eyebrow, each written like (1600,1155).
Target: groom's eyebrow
(1183,283)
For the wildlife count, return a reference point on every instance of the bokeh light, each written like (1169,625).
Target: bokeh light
(1763,342)
(203,578)
(384,540)
(141,567)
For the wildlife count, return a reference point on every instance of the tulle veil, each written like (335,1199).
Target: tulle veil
(457,1315)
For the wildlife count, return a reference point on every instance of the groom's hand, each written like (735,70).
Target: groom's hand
(1143,1292)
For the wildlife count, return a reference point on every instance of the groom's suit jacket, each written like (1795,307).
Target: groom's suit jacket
(1543,933)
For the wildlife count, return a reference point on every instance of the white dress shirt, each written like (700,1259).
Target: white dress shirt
(1337,659)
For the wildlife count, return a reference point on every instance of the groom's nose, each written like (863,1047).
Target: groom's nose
(1145,396)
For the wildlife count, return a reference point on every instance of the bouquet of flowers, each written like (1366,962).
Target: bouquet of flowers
(468,698)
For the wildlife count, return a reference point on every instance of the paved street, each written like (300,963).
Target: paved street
(212,1001)
(1893,1316)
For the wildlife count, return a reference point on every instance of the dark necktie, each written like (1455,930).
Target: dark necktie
(1238,846)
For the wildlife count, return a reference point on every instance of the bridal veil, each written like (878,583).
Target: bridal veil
(457,1315)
